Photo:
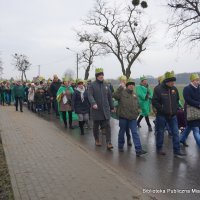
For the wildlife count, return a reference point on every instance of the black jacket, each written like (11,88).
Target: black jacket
(78,106)
(165,100)
(54,88)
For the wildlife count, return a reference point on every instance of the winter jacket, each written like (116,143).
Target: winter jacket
(99,93)
(39,98)
(54,88)
(144,95)
(166,100)
(192,98)
(31,93)
(79,106)
(18,91)
(128,107)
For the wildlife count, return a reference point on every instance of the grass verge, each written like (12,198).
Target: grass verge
(6,192)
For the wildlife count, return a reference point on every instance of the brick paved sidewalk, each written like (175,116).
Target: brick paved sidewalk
(45,164)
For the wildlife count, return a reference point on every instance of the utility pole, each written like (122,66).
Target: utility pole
(77,65)
(76,60)
(38,70)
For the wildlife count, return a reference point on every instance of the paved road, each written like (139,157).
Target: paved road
(45,163)
(59,162)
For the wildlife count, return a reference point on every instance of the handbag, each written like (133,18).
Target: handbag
(193,113)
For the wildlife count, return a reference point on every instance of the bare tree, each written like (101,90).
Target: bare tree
(87,55)
(69,73)
(22,64)
(120,32)
(185,20)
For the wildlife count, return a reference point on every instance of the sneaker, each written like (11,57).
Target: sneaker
(184,144)
(109,146)
(139,153)
(177,154)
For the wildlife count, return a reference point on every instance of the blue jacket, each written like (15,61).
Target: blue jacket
(192,98)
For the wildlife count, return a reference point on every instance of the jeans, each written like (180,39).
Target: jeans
(132,124)
(8,99)
(173,125)
(196,133)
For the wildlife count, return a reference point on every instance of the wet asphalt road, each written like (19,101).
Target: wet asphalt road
(166,177)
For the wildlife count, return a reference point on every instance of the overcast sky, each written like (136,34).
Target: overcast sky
(41,29)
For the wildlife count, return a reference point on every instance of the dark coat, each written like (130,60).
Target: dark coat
(18,91)
(192,98)
(99,93)
(128,107)
(54,88)
(80,107)
(165,100)
(39,98)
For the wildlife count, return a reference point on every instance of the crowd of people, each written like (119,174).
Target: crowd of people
(97,101)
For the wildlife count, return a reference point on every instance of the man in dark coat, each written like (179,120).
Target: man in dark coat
(165,101)
(19,93)
(100,98)
(55,85)
(191,94)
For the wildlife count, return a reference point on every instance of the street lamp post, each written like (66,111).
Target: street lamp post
(76,60)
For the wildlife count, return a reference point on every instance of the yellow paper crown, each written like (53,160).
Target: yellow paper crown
(194,76)
(98,70)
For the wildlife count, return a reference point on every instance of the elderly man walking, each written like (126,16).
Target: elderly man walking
(100,98)
(18,92)
(191,94)
(165,101)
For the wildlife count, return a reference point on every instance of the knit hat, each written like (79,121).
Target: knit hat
(99,71)
(123,78)
(194,76)
(130,81)
(169,76)
(142,78)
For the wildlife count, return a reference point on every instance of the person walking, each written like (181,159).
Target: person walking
(123,81)
(144,94)
(19,93)
(31,94)
(100,98)
(55,85)
(2,93)
(64,99)
(127,112)
(191,94)
(165,101)
(81,105)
